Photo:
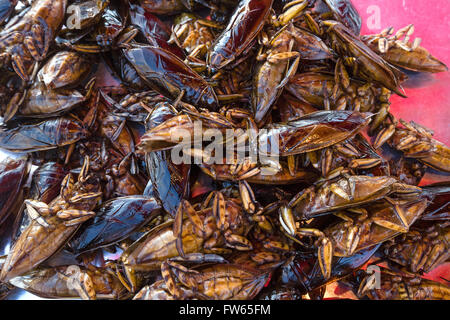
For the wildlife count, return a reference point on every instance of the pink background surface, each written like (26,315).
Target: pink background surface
(428,101)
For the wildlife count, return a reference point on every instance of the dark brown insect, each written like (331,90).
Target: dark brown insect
(166,73)
(247,20)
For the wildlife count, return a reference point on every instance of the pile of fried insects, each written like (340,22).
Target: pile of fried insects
(98,98)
